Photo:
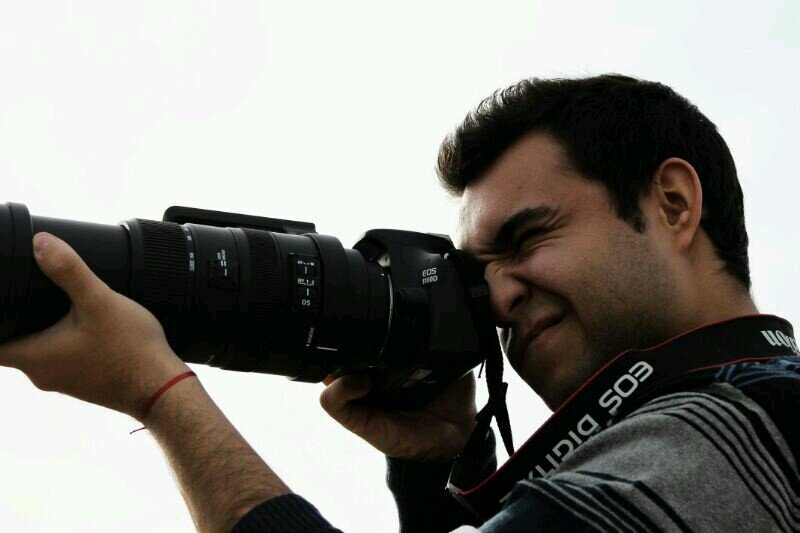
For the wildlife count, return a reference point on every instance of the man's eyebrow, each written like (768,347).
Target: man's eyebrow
(509,228)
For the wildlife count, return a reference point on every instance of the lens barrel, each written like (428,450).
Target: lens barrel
(237,298)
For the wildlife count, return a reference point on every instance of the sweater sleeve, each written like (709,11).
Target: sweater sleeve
(289,513)
(423,503)
(419,490)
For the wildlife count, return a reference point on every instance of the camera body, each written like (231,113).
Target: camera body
(257,294)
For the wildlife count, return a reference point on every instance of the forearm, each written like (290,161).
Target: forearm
(220,476)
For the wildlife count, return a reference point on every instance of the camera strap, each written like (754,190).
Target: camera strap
(477,296)
(627,381)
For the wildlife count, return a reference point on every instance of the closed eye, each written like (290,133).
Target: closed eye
(514,248)
(529,235)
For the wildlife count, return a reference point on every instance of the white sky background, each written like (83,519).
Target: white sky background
(330,112)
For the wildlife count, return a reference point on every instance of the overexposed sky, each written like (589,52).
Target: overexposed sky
(329,112)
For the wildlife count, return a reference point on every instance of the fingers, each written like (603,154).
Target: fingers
(23,352)
(59,262)
(62,264)
(345,389)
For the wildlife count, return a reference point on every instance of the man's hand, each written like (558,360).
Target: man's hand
(111,351)
(437,432)
(108,350)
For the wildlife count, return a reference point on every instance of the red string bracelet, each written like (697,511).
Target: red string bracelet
(161,391)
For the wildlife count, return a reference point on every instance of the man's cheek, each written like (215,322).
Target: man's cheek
(556,271)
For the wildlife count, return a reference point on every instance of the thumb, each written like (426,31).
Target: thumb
(62,264)
(335,396)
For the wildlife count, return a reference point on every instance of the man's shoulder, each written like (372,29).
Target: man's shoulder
(772,383)
(755,400)
(766,373)
(684,426)
(763,397)
(774,387)
(669,459)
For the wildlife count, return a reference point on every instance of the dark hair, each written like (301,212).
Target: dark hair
(617,130)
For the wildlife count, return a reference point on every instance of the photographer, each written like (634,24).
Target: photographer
(609,217)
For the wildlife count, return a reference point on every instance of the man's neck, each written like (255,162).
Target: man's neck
(724,301)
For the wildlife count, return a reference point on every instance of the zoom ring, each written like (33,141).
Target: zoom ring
(266,273)
(165,276)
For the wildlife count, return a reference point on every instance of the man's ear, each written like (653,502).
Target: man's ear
(678,197)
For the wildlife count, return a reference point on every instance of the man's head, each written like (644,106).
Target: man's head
(607,206)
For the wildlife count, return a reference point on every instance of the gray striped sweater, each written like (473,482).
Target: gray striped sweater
(718,458)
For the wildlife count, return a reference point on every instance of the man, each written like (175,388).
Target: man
(608,216)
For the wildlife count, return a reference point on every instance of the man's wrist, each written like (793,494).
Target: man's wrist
(176,402)
(220,476)
(160,369)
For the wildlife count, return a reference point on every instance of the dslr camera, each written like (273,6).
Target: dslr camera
(256,294)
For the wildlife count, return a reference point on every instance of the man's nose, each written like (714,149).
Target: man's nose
(508,292)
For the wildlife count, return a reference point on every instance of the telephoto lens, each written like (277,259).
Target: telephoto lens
(257,294)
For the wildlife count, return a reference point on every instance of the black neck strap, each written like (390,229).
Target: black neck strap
(625,382)
(477,296)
